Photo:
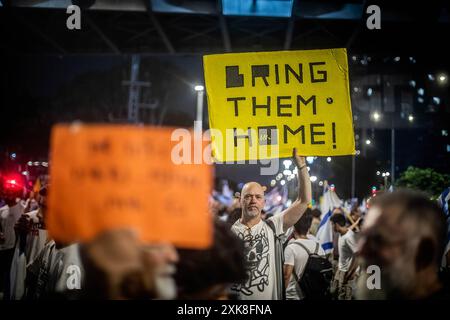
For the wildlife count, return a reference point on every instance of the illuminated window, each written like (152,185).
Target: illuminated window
(262,8)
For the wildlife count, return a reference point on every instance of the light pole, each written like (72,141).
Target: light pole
(353,174)
(385,175)
(392,155)
(199,116)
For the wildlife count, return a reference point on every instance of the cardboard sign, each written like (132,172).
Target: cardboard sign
(263,104)
(116,176)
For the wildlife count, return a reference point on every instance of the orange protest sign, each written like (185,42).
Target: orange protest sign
(104,177)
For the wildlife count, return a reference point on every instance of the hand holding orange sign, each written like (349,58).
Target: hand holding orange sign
(107,177)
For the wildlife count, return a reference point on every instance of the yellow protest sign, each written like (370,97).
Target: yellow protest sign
(106,177)
(263,104)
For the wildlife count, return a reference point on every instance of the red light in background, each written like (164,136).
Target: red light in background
(13,182)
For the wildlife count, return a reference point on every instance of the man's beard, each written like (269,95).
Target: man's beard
(165,285)
(396,282)
(251,213)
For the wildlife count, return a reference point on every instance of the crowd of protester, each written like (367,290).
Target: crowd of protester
(398,249)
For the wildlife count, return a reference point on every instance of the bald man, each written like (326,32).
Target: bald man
(262,251)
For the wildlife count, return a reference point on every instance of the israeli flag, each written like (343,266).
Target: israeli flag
(443,201)
(330,201)
(226,196)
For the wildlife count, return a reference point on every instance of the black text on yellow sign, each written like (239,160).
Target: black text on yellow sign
(262,105)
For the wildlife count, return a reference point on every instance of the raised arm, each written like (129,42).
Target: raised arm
(299,206)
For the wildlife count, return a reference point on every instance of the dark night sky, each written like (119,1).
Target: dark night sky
(43,76)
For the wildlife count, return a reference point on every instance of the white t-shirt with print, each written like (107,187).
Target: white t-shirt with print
(260,259)
(35,242)
(295,255)
(36,238)
(347,247)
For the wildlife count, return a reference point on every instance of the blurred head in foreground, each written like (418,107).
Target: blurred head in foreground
(207,274)
(118,266)
(403,235)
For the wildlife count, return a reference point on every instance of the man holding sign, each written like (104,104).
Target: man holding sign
(261,106)
(262,249)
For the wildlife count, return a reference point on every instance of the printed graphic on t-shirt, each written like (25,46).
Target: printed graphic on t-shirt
(35,228)
(258,259)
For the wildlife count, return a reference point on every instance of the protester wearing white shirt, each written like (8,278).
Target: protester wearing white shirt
(9,214)
(347,248)
(296,257)
(263,252)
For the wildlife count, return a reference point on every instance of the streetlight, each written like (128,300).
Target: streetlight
(376,116)
(313,178)
(385,175)
(200,92)
(411,118)
(368,142)
(442,78)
